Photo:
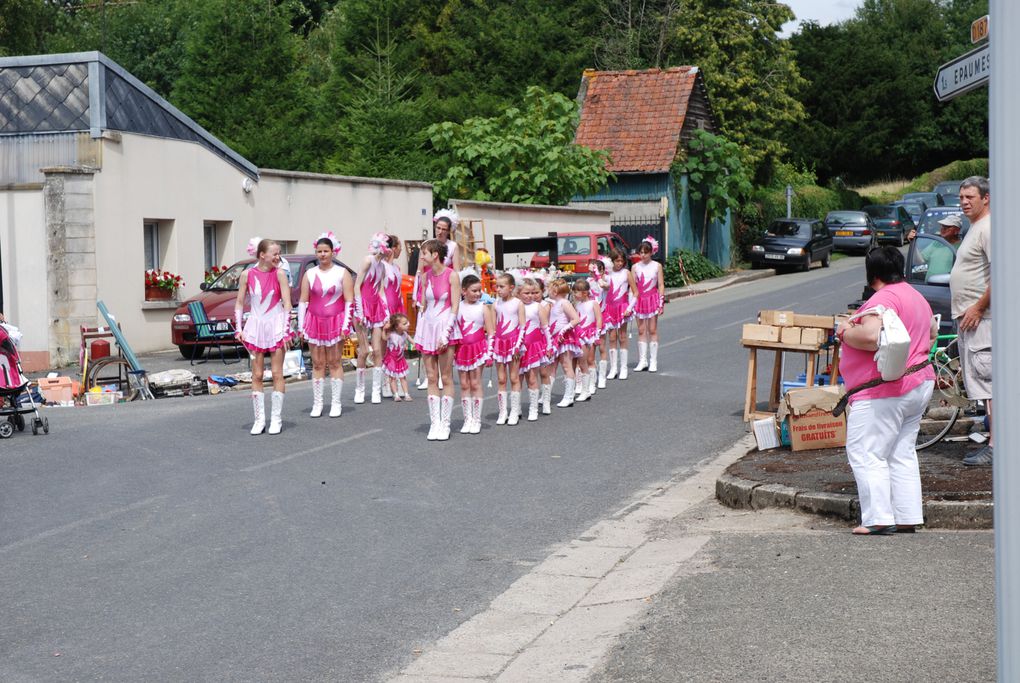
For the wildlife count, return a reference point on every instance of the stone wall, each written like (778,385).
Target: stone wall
(71,260)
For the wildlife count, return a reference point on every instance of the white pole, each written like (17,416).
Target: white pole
(1004,151)
(789,201)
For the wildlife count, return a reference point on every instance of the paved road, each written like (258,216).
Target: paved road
(160,541)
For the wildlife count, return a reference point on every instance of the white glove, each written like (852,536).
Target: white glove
(302,309)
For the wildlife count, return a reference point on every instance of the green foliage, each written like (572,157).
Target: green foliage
(871,110)
(26,25)
(716,175)
(524,155)
(698,268)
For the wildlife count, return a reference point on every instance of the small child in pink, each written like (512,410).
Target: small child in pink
(474,347)
(508,342)
(394,362)
(537,343)
(588,333)
(648,279)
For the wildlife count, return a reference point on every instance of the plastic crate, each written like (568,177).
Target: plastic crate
(106,398)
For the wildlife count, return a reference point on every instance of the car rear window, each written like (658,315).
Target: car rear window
(881,211)
(579,245)
(788,229)
(845,218)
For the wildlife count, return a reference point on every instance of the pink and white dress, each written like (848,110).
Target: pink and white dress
(325,321)
(646,277)
(509,333)
(435,322)
(617,300)
(394,362)
(373,303)
(472,344)
(451,252)
(563,336)
(587,331)
(537,341)
(268,326)
(392,292)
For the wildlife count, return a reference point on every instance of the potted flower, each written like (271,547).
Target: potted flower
(213,273)
(161,285)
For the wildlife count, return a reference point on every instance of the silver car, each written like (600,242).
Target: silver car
(851,230)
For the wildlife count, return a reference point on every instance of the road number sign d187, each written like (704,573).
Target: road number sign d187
(963,74)
(979,29)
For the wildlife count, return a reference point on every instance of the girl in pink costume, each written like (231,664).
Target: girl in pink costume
(621,295)
(538,347)
(372,313)
(651,287)
(563,319)
(267,330)
(394,363)
(506,349)
(475,325)
(392,290)
(324,318)
(588,332)
(438,301)
(599,283)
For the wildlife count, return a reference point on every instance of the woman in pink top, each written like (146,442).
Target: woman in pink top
(884,420)
(438,300)
(372,314)
(648,279)
(324,313)
(267,329)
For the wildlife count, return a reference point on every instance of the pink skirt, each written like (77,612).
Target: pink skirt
(324,331)
(471,354)
(505,346)
(373,312)
(566,342)
(587,335)
(613,314)
(267,333)
(535,351)
(648,305)
(394,363)
(429,331)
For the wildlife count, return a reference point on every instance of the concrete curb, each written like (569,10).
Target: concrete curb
(736,492)
(706,286)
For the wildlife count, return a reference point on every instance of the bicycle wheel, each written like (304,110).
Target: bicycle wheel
(944,407)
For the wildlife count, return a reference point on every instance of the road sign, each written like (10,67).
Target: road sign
(979,29)
(963,74)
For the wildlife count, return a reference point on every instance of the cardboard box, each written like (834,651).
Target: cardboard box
(790,335)
(811,422)
(822,321)
(56,389)
(777,318)
(813,336)
(765,333)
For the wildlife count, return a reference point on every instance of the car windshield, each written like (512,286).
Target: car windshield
(951,199)
(929,223)
(881,211)
(787,229)
(230,278)
(845,218)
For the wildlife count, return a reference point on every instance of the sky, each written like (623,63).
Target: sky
(823,11)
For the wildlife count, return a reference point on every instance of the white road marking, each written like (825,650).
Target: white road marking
(309,451)
(676,341)
(733,324)
(80,523)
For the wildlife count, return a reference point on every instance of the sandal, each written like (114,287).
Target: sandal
(874,530)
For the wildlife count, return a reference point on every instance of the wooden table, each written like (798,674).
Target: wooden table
(751,411)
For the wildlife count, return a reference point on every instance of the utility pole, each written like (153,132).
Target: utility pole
(789,201)
(1004,155)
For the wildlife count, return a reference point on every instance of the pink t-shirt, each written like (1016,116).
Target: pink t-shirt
(858,367)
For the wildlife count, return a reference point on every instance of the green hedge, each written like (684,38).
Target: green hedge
(697,266)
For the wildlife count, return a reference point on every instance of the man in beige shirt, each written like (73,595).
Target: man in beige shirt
(971,288)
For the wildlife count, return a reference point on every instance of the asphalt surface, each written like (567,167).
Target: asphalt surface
(158,540)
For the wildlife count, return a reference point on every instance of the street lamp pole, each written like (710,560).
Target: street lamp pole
(1004,154)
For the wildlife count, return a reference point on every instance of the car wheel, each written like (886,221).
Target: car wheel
(188,349)
(806,266)
(826,258)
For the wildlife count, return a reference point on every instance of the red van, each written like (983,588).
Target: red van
(577,249)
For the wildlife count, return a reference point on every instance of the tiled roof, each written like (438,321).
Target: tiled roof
(636,115)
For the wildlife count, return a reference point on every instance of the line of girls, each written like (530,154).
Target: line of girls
(531,331)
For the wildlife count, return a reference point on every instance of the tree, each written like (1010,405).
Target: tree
(524,155)
(717,176)
(750,73)
(25,26)
(636,34)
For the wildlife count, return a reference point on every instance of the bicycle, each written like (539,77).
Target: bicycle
(949,399)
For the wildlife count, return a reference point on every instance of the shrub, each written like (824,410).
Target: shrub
(698,268)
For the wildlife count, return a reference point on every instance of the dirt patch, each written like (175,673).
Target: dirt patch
(943,475)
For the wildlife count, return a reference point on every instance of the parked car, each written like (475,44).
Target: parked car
(934,287)
(218,299)
(914,208)
(929,199)
(851,230)
(949,191)
(576,249)
(892,223)
(793,242)
(929,223)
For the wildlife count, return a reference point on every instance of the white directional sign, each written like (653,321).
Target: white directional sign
(964,73)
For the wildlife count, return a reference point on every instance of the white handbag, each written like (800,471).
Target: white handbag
(893,343)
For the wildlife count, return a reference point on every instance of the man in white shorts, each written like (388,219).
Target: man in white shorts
(971,287)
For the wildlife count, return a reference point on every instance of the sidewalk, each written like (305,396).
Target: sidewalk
(706,286)
(820,481)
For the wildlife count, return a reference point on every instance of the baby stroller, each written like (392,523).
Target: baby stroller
(12,383)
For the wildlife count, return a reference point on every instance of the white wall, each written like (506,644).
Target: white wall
(23,250)
(167,180)
(529,220)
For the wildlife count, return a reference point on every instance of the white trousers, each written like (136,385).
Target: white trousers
(880,438)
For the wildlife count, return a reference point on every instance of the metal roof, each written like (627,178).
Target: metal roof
(89,92)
